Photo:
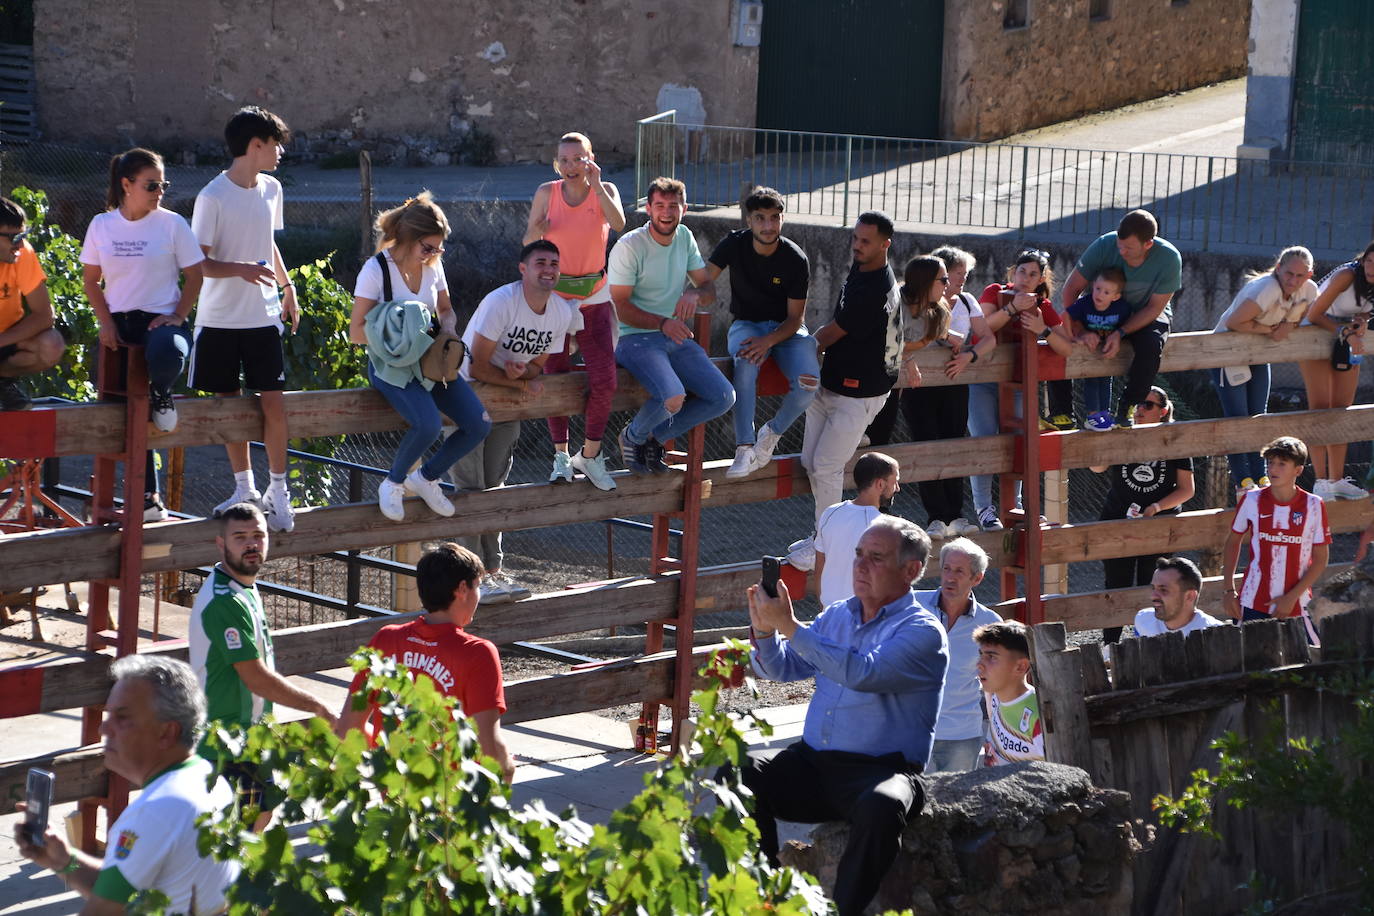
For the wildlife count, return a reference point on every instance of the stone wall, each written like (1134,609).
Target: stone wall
(998,82)
(420,82)
(1027,838)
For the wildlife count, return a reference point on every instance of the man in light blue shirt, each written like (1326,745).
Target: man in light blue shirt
(879,661)
(647,271)
(959,730)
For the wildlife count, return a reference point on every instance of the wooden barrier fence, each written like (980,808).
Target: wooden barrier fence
(1146,727)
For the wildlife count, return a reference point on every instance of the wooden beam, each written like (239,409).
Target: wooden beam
(86,429)
(80,774)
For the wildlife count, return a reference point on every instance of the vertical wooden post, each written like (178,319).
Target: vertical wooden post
(1058,675)
(1217,492)
(405,597)
(1057,513)
(366,242)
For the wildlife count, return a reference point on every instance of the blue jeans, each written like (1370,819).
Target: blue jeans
(1245,400)
(165,349)
(1097,395)
(420,409)
(982,421)
(668,370)
(958,755)
(795,357)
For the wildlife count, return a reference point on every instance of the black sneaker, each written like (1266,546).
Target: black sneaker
(633,454)
(13,396)
(653,456)
(1125,420)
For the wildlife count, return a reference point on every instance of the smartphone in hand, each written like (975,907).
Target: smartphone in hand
(40,791)
(772,569)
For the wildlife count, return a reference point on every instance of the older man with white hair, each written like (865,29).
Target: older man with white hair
(959,730)
(153,718)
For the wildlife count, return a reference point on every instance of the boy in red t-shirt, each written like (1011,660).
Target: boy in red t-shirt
(28,342)
(1290,542)
(461,665)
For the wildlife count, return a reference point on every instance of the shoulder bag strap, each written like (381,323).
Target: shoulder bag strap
(386,277)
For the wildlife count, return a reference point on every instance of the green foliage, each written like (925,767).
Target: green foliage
(420,824)
(60,255)
(1281,774)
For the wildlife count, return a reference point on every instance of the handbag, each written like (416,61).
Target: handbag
(443,357)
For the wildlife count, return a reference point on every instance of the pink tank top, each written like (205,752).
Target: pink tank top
(579,232)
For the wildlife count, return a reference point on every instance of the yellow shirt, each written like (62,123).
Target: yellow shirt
(17,280)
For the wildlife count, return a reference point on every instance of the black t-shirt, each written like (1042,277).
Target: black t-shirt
(865,361)
(1142,484)
(761,285)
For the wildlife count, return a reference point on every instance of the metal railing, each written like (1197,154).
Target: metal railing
(1200,201)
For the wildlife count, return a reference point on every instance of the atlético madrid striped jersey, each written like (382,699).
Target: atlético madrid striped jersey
(1282,536)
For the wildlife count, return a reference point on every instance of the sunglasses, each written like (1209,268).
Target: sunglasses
(429,250)
(1042,256)
(944,280)
(1149,405)
(15,237)
(157,185)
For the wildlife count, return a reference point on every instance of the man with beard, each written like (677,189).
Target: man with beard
(769,276)
(231,645)
(1173,598)
(862,344)
(877,478)
(646,270)
(510,337)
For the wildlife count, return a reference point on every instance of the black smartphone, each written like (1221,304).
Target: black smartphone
(772,568)
(40,786)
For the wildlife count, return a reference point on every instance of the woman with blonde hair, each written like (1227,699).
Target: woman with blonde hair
(577,213)
(408,267)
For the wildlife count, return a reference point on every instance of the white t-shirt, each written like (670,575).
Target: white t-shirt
(153,843)
(236,224)
(837,534)
(520,333)
(1274,306)
(1346,305)
(432,282)
(141,260)
(1147,624)
(961,311)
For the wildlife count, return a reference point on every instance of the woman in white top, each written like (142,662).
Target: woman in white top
(134,257)
(1272,303)
(1345,299)
(411,247)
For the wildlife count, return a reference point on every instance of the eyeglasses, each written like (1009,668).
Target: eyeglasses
(944,280)
(1149,405)
(157,185)
(15,237)
(429,251)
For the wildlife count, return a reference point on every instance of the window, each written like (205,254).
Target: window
(1017,15)
(1099,10)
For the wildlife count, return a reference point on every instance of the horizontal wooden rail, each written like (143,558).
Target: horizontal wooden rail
(86,429)
(81,772)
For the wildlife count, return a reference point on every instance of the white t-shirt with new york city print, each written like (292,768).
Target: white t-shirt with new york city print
(521,334)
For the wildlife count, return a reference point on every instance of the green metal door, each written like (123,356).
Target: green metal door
(1333,107)
(852,66)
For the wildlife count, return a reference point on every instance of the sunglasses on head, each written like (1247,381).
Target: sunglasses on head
(1033,254)
(15,237)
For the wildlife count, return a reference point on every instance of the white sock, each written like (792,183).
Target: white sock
(278,480)
(243,480)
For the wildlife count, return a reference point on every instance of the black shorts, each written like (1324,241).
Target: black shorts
(243,779)
(227,359)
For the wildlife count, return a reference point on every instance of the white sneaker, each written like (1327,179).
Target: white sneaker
(493,592)
(430,492)
(280,515)
(162,410)
(241,495)
(594,469)
(391,499)
(515,590)
(763,447)
(153,509)
(1322,488)
(562,468)
(937,530)
(743,463)
(1346,488)
(802,554)
(961,527)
